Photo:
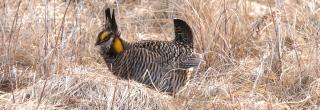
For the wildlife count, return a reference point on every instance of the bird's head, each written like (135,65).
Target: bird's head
(110,36)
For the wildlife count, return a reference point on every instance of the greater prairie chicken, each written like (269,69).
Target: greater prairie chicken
(159,64)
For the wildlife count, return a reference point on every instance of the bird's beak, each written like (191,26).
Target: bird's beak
(97,43)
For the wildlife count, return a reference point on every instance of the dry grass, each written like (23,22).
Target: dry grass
(48,59)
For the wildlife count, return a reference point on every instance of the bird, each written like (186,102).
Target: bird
(163,65)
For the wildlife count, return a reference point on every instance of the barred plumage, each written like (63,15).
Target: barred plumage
(160,64)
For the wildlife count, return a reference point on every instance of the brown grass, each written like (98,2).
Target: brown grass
(48,59)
